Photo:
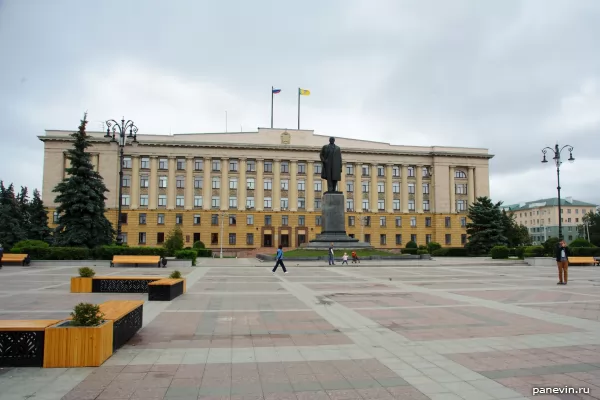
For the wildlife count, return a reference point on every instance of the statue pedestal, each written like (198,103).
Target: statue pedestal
(333,224)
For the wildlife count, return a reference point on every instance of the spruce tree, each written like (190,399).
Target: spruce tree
(80,199)
(486,228)
(23,208)
(38,219)
(11,229)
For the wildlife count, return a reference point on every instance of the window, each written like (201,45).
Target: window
(350,205)
(123,218)
(382,239)
(198,164)
(179,219)
(142,238)
(461,188)
(160,219)
(351,221)
(380,187)
(301,220)
(127,162)
(461,205)
(142,219)
(268,220)
(268,184)
(285,184)
(144,181)
(463,222)
(365,170)
(233,165)
(411,205)
(367,238)
(349,169)
(250,202)
(126,181)
(447,222)
(318,220)
(448,239)
(395,171)
(232,220)
(198,181)
(425,172)
(249,238)
(381,205)
(232,238)
(318,168)
(284,203)
(463,238)
(301,202)
(250,219)
(197,201)
(268,166)
(398,222)
(162,181)
(251,166)
(160,237)
(350,186)
(413,222)
(301,168)
(411,171)
(317,204)
(395,187)
(428,238)
(125,200)
(284,220)
(216,165)
(124,238)
(214,238)
(232,202)
(285,167)
(180,163)
(398,239)
(267,202)
(145,163)
(428,222)
(144,200)
(396,204)
(411,188)
(250,183)
(413,237)
(162,200)
(214,219)
(179,182)
(179,201)
(425,205)
(318,186)
(196,237)
(460,174)
(426,188)
(381,221)
(216,183)
(197,219)
(365,186)
(215,202)
(163,163)
(380,170)
(300,185)
(365,204)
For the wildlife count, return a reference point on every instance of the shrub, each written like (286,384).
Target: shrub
(422,247)
(31,243)
(443,252)
(199,245)
(422,251)
(580,243)
(86,272)
(86,314)
(499,252)
(519,252)
(432,246)
(174,241)
(585,251)
(187,255)
(204,252)
(550,245)
(175,275)
(54,253)
(411,245)
(534,251)
(457,252)
(409,251)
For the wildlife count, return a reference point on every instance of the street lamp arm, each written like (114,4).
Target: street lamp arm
(111,123)
(545,150)
(567,146)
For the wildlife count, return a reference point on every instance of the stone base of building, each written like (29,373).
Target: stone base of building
(334,226)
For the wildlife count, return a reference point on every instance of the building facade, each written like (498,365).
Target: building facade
(262,189)
(541,217)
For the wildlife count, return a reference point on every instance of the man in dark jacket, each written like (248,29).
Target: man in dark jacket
(562,260)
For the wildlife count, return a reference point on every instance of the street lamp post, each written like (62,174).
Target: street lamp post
(223,215)
(114,129)
(557,151)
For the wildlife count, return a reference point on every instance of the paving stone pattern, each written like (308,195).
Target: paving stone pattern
(461,330)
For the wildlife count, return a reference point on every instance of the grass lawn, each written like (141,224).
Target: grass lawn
(338,253)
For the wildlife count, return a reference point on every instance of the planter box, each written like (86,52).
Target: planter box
(22,342)
(166,289)
(81,285)
(77,346)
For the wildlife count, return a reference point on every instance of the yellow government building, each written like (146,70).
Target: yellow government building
(260,189)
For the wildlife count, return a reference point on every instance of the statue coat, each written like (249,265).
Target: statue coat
(331,157)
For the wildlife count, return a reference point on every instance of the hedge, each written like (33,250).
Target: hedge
(187,255)
(107,252)
(204,252)
(409,251)
(499,252)
(534,251)
(585,251)
(422,251)
(54,253)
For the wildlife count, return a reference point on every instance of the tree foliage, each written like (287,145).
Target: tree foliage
(516,234)
(592,219)
(80,199)
(11,223)
(38,219)
(486,227)
(174,241)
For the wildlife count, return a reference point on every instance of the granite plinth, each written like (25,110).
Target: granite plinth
(333,222)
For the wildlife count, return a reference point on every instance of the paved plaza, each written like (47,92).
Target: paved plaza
(471,329)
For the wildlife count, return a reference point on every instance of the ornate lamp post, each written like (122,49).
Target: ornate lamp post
(119,135)
(557,151)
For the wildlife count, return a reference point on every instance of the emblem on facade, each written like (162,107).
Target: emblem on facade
(286,138)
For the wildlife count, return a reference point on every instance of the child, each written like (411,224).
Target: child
(279,259)
(355,258)
(345,259)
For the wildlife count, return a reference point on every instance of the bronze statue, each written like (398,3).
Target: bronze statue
(331,158)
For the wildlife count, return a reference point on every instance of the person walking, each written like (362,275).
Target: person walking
(1,254)
(279,260)
(562,260)
(331,261)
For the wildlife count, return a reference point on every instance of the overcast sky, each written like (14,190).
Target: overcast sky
(511,76)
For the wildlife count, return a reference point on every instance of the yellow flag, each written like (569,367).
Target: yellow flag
(304,92)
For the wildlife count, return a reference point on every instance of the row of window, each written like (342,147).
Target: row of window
(562,210)
(541,222)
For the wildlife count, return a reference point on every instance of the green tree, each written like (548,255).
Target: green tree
(80,200)
(592,219)
(174,241)
(23,209)
(11,227)
(38,219)
(486,227)
(550,245)
(517,235)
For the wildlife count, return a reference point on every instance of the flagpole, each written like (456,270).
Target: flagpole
(272,88)
(298,108)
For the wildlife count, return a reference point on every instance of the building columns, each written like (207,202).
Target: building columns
(374,194)
(404,189)
(452,191)
(293,190)
(135,183)
(389,192)
(310,186)
(471,185)
(241,190)
(153,184)
(224,192)
(357,187)
(189,183)
(207,184)
(419,189)
(259,185)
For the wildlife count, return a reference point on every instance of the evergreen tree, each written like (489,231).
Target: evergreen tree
(517,235)
(11,230)
(38,219)
(23,206)
(486,226)
(80,199)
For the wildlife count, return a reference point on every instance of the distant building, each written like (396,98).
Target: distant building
(541,217)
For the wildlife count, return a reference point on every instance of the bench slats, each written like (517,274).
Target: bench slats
(13,257)
(583,260)
(117,309)
(166,282)
(136,259)
(145,278)
(26,325)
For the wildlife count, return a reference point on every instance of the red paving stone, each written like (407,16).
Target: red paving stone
(526,296)
(584,310)
(399,299)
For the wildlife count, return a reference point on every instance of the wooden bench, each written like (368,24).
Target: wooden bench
(583,260)
(166,289)
(22,342)
(127,317)
(15,258)
(122,284)
(135,260)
